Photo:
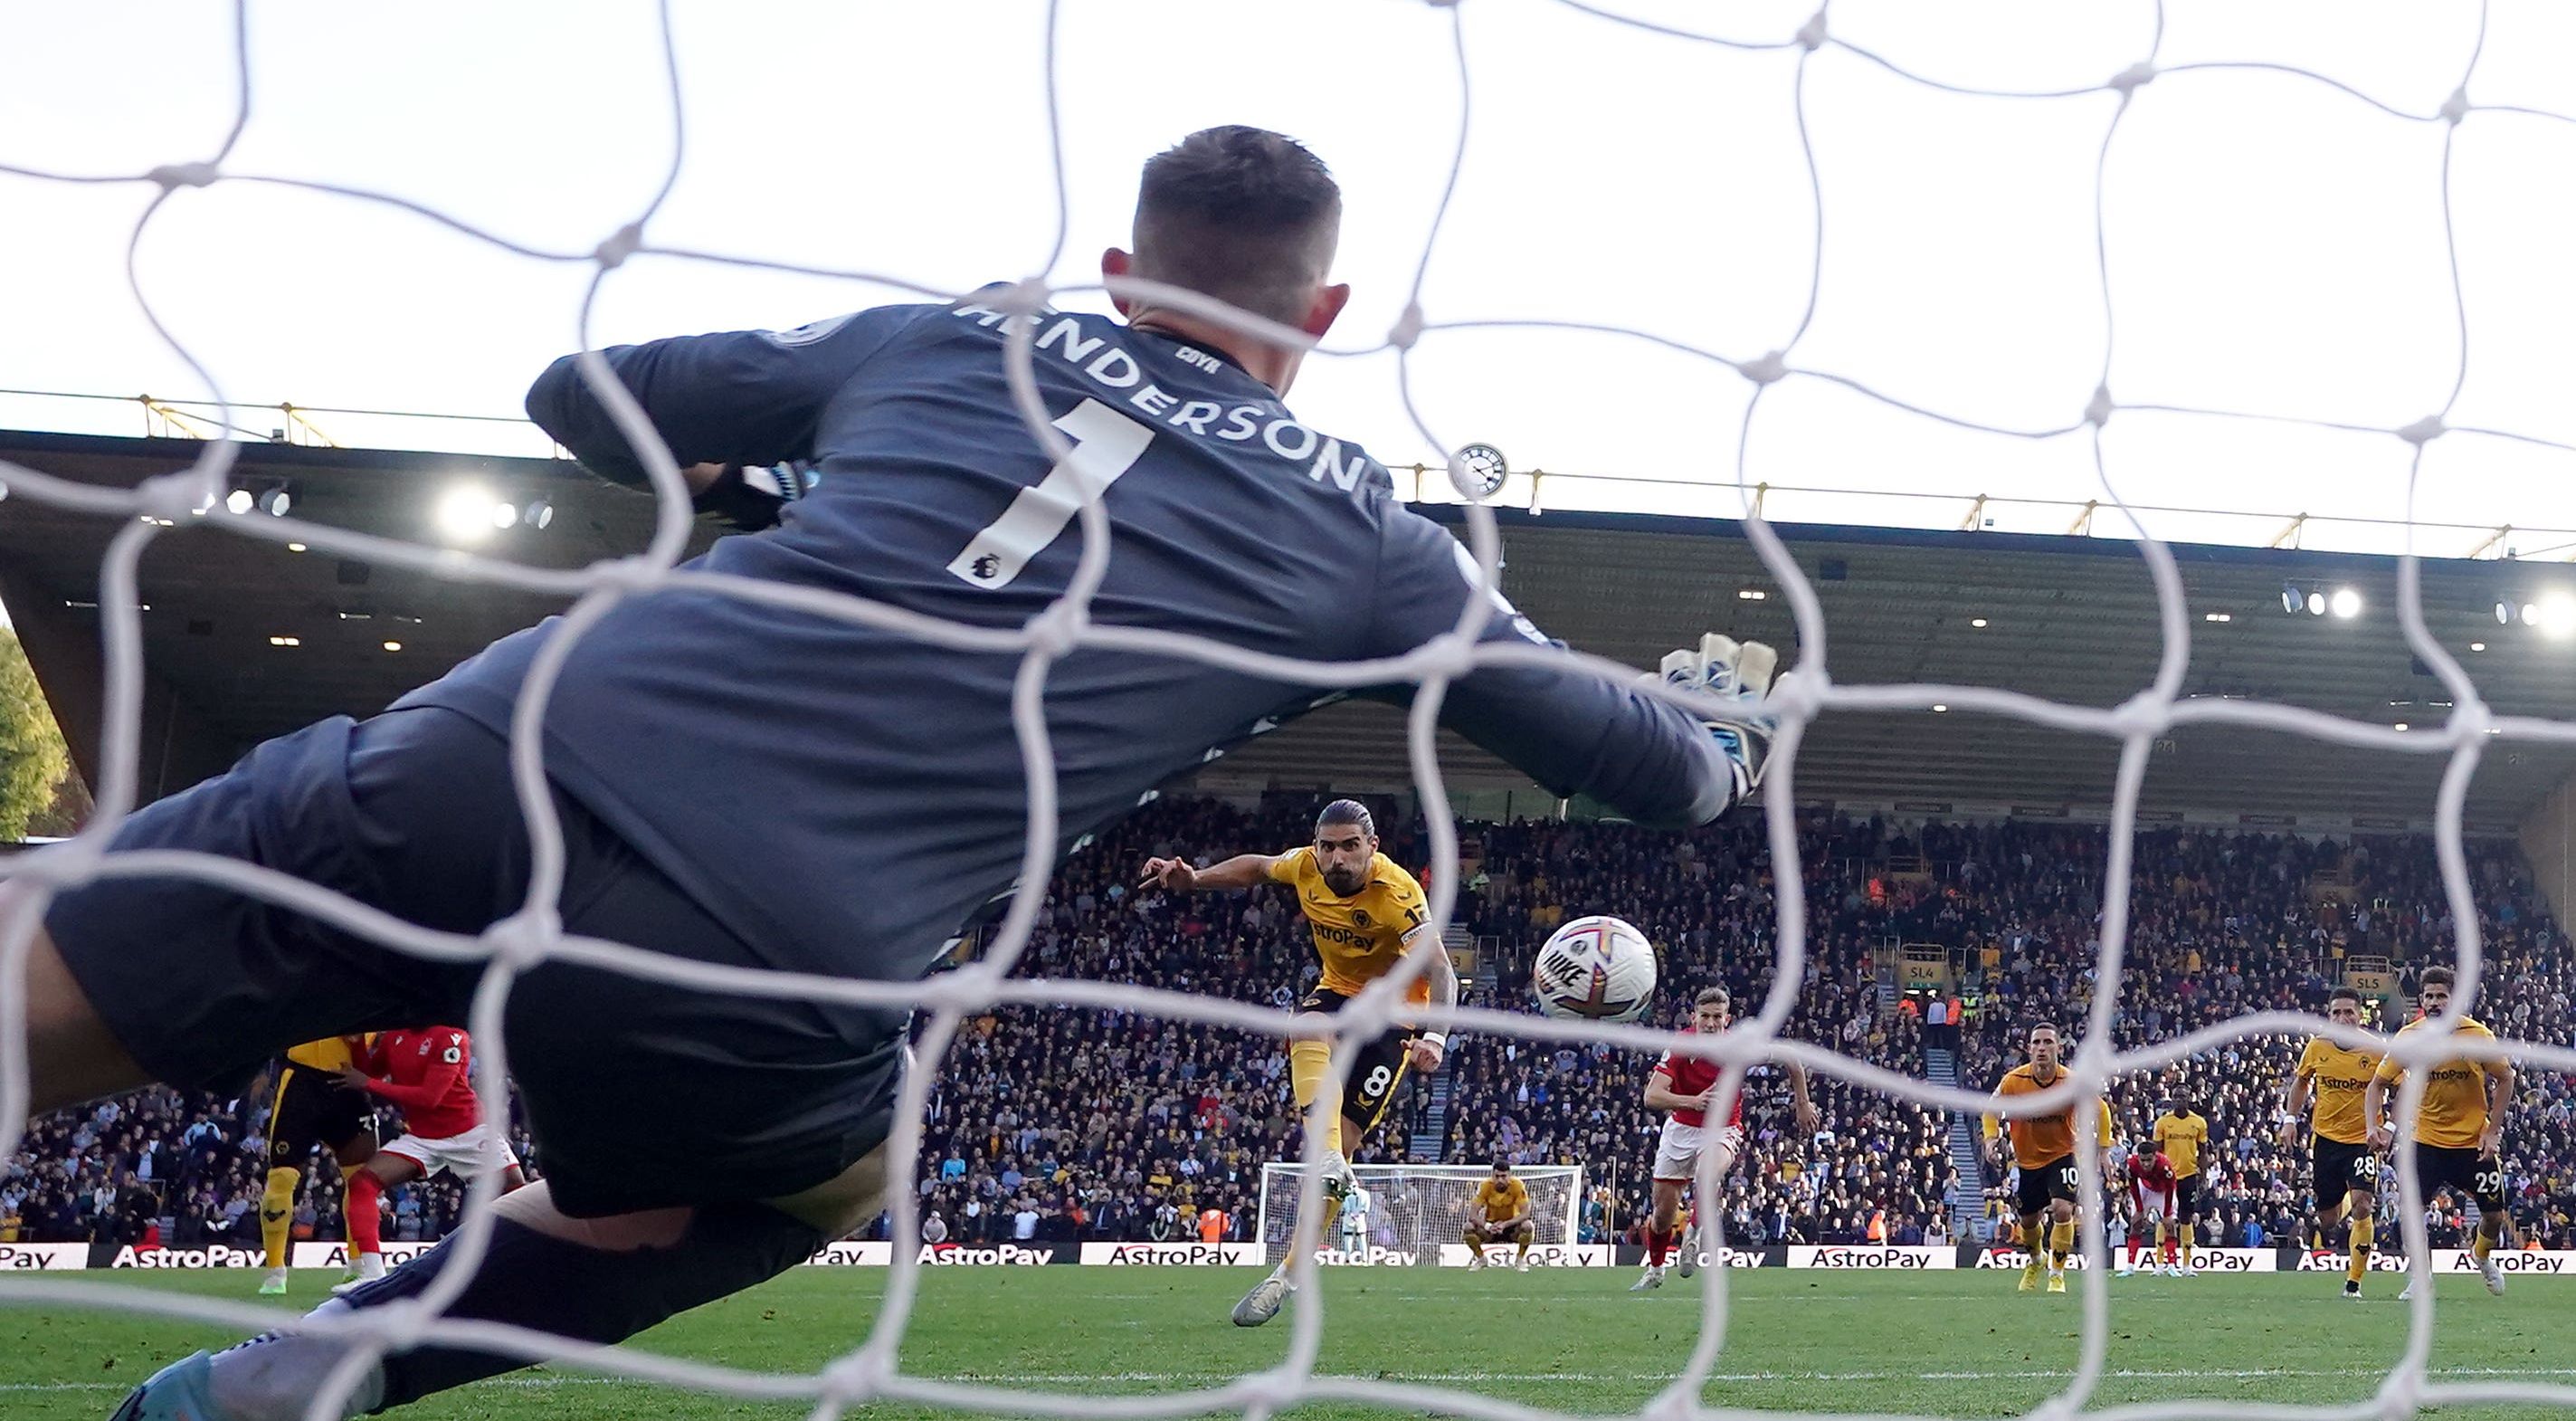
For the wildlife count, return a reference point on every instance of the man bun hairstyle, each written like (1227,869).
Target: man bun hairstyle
(1242,214)
(1347,811)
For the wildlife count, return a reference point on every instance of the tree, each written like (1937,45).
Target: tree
(34,761)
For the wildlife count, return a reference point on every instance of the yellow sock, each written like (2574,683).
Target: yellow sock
(1332,1216)
(277,1213)
(2360,1250)
(1310,1075)
(2485,1242)
(2033,1239)
(2186,1245)
(2061,1242)
(1524,1248)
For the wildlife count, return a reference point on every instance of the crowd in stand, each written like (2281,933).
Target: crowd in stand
(174,1169)
(1055,1123)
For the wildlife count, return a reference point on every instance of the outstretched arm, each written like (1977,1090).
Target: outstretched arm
(1570,729)
(723,402)
(1177,876)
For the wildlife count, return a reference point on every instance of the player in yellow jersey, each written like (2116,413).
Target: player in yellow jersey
(2342,1170)
(311,1108)
(1367,914)
(2459,1132)
(2183,1134)
(1505,1202)
(2043,1147)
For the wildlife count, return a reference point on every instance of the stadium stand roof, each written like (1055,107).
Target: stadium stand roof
(2073,619)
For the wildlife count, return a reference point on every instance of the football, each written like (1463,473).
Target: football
(1599,969)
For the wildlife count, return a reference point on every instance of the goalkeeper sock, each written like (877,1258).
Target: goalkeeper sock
(366,1215)
(2061,1242)
(277,1213)
(529,1279)
(2186,1245)
(2360,1250)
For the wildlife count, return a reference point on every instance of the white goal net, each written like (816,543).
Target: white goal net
(1764,362)
(1416,1213)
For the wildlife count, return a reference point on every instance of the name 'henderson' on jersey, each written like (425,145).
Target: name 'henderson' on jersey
(843,797)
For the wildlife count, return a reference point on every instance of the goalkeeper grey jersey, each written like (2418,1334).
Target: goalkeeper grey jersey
(845,797)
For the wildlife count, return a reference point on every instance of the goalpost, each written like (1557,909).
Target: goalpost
(1414,1210)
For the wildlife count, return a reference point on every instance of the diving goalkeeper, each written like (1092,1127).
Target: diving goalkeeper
(763,787)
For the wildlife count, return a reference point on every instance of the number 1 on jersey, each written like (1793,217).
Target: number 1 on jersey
(1106,444)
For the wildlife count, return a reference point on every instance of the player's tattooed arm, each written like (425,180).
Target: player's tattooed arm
(2374,1113)
(1176,875)
(2499,1086)
(1441,975)
(1804,1103)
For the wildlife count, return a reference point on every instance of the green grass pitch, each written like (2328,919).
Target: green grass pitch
(1956,1344)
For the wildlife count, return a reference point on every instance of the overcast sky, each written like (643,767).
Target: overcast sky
(2275,246)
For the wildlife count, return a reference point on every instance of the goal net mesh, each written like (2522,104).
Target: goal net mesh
(874,1370)
(1415,1211)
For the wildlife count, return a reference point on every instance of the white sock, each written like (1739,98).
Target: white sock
(273,1377)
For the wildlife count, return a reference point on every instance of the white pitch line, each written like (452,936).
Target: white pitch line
(1077,1378)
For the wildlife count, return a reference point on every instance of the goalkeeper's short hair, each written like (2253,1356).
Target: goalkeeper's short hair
(1241,214)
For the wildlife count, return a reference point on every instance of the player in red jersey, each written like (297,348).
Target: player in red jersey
(1685,1087)
(2151,1191)
(428,1071)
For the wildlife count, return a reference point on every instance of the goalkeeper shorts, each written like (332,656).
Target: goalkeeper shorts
(640,1094)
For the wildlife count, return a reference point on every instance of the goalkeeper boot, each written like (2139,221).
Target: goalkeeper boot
(274,1285)
(2351,1289)
(177,1392)
(1262,1303)
(1690,1251)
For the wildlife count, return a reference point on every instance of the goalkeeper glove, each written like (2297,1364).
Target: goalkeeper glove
(753,498)
(1737,672)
